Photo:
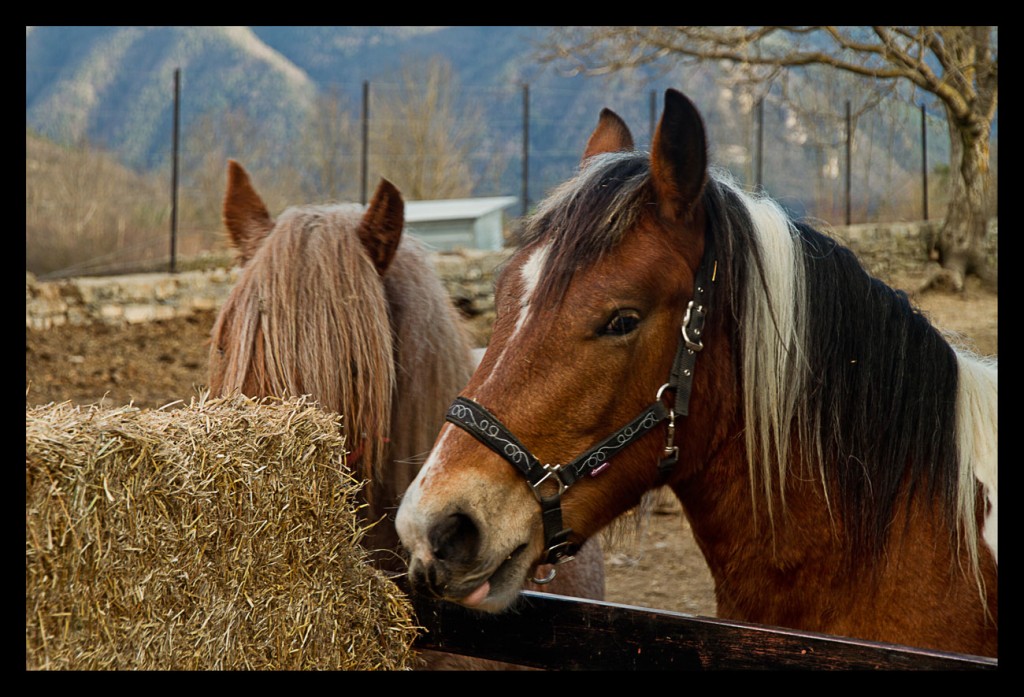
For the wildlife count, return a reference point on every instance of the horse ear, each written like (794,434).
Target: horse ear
(245,215)
(679,157)
(381,227)
(611,135)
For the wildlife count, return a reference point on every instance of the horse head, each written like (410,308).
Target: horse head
(586,309)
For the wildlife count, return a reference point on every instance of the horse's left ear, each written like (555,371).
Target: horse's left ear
(381,227)
(245,215)
(679,157)
(611,135)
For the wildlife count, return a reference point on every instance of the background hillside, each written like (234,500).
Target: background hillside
(113,86)
(273,96)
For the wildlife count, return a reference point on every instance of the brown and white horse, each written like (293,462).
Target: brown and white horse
(333,301)
(833,452)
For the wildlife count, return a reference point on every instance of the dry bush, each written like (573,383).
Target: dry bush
(84,211)
(221,535)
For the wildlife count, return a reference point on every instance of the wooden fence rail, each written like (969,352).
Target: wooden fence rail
(561,633)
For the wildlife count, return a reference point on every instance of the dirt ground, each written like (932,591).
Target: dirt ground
(159,363)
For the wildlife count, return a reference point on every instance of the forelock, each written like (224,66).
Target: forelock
(588,215)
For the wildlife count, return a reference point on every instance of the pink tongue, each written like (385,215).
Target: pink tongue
(477,596)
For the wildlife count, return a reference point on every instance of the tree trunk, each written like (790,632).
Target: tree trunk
(959,246)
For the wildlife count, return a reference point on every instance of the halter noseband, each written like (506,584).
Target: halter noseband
(488,429)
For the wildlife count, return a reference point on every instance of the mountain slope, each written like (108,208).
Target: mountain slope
(114,86)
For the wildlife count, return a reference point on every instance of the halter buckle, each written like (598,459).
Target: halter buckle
(555,557)
(560,556)
(693,313)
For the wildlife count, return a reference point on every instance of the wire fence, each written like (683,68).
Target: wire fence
(518,140)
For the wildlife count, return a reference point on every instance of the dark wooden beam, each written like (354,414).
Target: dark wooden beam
(560,633)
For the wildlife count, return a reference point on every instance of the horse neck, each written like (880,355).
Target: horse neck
(796,569)
(746,550)
(432,361)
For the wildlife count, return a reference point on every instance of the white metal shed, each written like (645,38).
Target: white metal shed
(469,223)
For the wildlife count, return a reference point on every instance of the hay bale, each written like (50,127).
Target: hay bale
(222,535)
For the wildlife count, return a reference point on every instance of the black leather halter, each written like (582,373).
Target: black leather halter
(488,429)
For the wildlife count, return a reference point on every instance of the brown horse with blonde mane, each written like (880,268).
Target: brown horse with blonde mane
(834,453)
(335,302)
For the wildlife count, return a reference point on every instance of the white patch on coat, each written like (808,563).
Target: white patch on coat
(529,274)
(409,522)
(978,416)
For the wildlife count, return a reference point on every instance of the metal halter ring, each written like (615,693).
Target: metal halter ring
(548,579)
(549,471)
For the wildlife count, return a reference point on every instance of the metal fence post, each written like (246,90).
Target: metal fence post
(366,143)
(174,170)
(924,164)
(849,155)
(526,149)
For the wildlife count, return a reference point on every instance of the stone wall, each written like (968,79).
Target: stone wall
(145,297)
(886,250)
(128,299)
(893,250)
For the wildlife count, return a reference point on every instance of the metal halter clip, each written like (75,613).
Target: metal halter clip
(671,449)
(670,454)
(693,312)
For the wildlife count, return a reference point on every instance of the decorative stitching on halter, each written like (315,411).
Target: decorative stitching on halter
(466,417)
(598,460)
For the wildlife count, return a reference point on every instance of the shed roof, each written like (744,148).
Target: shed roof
(455,209)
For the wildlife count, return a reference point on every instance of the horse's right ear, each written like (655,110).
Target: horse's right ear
(611,135)
(245,215)
(381,227)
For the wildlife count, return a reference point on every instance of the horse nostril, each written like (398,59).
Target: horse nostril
(455,539)
(425,582)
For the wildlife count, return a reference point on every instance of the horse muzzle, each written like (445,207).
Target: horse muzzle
(448,561)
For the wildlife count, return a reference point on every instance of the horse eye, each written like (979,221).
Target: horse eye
(621,323)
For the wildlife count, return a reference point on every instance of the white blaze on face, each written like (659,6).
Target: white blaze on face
(529,275)
(409,522)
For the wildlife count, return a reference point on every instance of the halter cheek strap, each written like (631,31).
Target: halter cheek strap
(488,429)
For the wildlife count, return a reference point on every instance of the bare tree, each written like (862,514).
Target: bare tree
(208,142)
(329,148)
(86,213)
(421,140)
(956,65)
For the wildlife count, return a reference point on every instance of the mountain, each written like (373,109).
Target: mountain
(113,87)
